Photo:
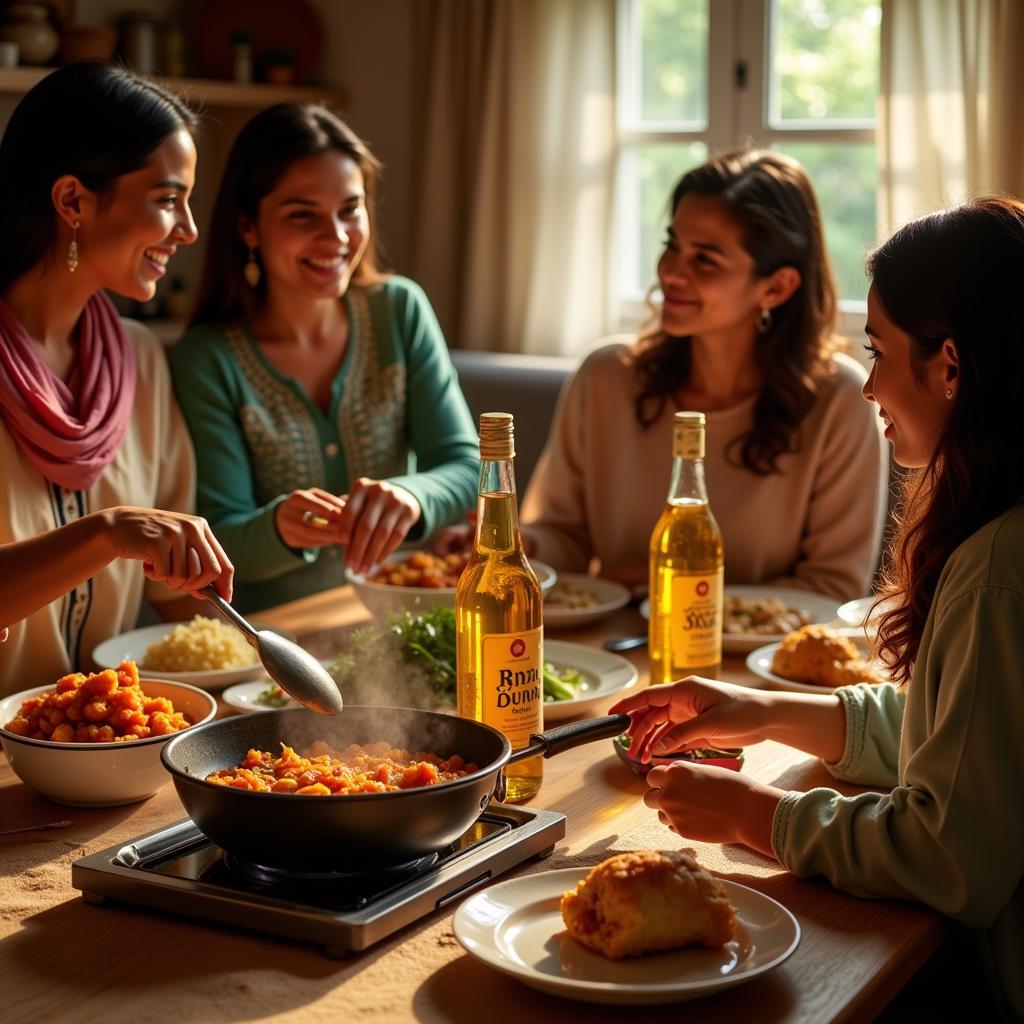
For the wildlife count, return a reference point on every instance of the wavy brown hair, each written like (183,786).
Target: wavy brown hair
(771,199)
(957,274)
(265,148)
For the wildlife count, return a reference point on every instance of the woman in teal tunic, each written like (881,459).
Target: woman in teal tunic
(327,417)
(946,740)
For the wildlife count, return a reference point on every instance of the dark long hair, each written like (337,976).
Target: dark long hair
(91,120)
(771,199)
(956,274)
(266,147)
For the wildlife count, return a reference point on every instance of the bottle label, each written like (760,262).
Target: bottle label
(697,618)
(513,684)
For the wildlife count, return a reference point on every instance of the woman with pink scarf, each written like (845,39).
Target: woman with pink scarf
(96,168)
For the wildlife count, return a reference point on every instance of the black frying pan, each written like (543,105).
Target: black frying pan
(362,830)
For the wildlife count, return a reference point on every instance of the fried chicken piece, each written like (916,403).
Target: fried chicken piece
(822,657)
(643,902)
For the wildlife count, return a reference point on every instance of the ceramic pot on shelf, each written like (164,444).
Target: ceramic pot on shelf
(29,26)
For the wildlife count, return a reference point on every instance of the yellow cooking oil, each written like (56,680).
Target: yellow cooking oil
(498,615)
(686,567)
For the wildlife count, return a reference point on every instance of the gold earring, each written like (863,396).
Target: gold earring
(73,248)
(949,392)
(252,269)
(764,321)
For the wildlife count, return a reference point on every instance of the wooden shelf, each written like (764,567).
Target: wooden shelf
(200,92)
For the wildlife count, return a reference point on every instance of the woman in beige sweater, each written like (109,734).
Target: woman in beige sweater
(946,333)
(796,471)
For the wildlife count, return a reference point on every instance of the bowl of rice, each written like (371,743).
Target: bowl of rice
(204,652)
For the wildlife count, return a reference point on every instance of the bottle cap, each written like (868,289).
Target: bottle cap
(496,436)
(688,435)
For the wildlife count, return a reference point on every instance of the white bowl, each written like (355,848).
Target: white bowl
(383,600)
(99,774)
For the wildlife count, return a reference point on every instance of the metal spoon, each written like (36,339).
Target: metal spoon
(625,643)
(296,671)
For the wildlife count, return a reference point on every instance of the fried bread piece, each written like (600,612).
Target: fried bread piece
(643,902)
(822,657)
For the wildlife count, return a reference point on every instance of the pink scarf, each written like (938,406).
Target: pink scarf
(69,431)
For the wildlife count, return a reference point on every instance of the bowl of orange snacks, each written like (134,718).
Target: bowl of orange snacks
(94,740)
(416,581)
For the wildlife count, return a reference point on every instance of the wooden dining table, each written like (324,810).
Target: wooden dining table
(62,959)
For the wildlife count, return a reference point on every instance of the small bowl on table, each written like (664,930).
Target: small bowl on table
(99,774)
(382,600)
(731,757)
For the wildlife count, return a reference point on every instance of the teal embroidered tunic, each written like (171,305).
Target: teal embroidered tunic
(396,413)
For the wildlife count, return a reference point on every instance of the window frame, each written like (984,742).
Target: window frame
(741,33)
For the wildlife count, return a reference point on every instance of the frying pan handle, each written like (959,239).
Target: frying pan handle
(565,737)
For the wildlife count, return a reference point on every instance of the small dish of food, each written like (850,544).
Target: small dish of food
(753,614)
(205,652)
(415,581)
(578,678)
(529,928)
(815,658)
(257,695)
(95,740)
(730,757)
(580,600)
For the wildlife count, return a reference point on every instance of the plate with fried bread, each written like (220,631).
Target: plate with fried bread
(816,658)
(540,929)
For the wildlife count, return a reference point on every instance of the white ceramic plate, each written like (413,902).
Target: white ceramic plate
(242,696)
(610,597)
(516,927)
(818,606)
(760,663)
(603,675)
(134,644)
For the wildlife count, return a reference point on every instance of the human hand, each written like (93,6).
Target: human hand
(693,713)
(178,550)
(713,805)
(456,539)
(376,517)
(309,518)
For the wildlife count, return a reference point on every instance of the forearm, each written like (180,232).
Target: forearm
(809,722)
(42,569)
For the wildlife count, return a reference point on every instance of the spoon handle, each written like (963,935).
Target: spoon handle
(625,643)
(230,614)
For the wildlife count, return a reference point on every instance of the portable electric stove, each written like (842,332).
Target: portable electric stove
(177,869)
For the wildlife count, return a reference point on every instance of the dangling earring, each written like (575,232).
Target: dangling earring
(73,248)
(949,392)
(764,321)
(252,269)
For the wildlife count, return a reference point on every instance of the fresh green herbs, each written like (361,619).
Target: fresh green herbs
(272,697)
(410,662)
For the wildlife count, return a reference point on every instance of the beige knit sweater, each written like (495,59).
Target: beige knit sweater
(602,481)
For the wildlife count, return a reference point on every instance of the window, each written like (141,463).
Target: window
(702,76)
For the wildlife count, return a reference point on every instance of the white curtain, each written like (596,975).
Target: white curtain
(951,122)
(514,170)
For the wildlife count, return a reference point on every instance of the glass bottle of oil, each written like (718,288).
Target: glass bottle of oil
(499,631)
(686,567)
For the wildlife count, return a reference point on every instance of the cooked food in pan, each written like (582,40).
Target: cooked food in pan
(106,707)
(822,657)
(369,768)
(645,902)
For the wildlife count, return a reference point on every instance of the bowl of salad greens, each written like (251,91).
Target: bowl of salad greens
(410,662)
